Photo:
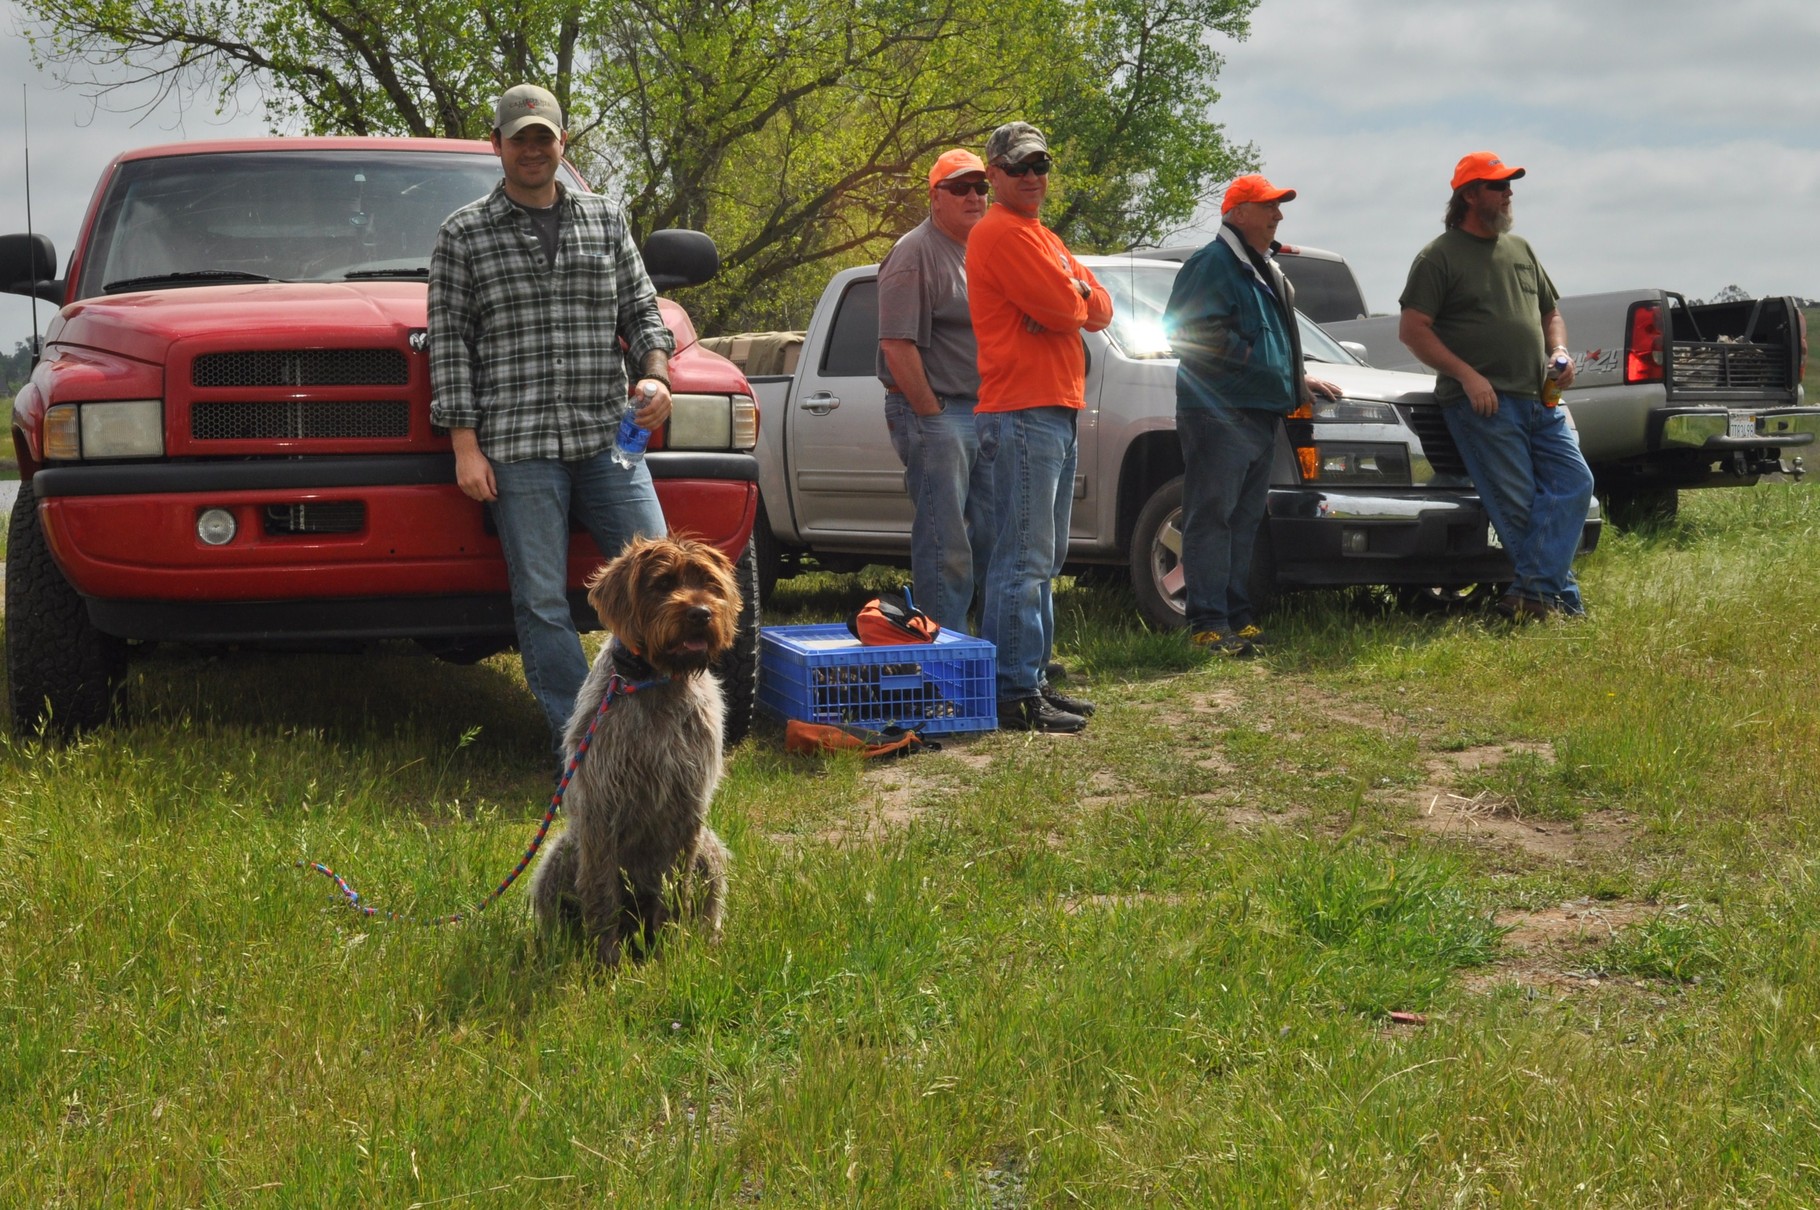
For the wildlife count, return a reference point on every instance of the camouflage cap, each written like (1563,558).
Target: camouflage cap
(1013,142)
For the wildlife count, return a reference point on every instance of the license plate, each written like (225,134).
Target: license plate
(1744,425)
(1491,538)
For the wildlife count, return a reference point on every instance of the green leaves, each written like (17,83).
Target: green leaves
(795,133)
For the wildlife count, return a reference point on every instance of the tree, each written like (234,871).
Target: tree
(16,368)
(792,131)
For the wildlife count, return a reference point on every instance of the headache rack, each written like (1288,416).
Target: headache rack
(1719,349)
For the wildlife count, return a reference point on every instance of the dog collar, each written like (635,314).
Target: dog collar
(630,665)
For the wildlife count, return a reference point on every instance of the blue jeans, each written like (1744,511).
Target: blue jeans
(1032,455)
(952,490)
(1527,466)
(536,499)
(1226,455)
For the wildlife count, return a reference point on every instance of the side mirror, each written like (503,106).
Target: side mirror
(678,256)
(28,263)
(1356,349)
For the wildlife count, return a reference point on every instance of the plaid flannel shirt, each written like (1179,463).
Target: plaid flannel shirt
(527,357)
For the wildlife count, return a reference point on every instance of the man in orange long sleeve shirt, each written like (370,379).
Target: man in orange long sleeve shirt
(1030,300)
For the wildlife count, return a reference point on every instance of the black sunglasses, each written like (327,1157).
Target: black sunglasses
(1496,186)
(1040,167)
(963,188)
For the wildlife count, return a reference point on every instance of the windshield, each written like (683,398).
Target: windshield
(1140,294)
(326,215)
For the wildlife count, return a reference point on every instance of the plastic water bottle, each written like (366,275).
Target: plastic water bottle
(1551,385)
(629,443)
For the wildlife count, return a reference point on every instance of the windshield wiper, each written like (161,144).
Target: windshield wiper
(356,274)
(198,276)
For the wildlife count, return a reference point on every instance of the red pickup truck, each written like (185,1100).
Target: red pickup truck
(227,438)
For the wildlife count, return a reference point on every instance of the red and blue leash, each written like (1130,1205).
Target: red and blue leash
(617,687)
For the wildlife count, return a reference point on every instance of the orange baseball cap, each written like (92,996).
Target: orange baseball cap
(1482,166)
(1253,188)
(951,164)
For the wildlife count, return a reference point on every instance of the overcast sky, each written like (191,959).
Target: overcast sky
(1671,143)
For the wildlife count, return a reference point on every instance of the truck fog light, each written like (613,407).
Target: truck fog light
(1354,542)
(216,527)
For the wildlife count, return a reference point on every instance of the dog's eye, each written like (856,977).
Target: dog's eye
(665,582)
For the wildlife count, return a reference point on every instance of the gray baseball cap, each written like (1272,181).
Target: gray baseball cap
(1014,141)
(523,105)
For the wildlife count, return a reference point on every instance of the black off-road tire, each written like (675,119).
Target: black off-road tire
(1156,551)
(770,560)
(63,676)
(738,669)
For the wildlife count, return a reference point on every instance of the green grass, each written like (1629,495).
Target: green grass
(1149,965)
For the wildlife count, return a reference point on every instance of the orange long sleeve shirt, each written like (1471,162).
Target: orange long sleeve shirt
(1017,269)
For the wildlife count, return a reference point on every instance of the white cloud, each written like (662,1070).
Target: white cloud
(1668,144)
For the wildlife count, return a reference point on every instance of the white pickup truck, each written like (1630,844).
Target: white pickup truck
(1668,394)
(1368,490)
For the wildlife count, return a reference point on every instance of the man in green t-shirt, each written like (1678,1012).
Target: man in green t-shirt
(1480,311)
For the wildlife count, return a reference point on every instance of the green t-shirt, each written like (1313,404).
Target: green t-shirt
(1487,298)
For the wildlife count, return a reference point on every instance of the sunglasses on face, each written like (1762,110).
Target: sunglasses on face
(1495,186)
(963,188)
(1040,167)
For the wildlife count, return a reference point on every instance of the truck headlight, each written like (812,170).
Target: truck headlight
(129,428)
(1354,411)
(1361,464)
(712,422)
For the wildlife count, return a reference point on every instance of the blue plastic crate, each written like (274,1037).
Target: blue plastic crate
(822,674)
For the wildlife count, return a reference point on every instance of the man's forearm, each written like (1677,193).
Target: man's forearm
(905,361)
(657,365)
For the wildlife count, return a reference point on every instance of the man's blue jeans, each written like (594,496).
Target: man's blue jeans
(1032,455)
(1226,455)
(1535,485)
(536,499)
(951,490)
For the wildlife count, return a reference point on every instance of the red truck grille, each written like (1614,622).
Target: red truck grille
(302,368)
(299,419)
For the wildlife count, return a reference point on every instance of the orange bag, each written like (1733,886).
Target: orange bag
(891,620)
(817,739)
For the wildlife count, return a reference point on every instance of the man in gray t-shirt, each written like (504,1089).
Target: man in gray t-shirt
(927,360)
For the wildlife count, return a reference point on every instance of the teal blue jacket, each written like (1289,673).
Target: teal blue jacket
(1234,330)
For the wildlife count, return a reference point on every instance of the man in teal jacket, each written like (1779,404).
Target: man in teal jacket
(1231,320)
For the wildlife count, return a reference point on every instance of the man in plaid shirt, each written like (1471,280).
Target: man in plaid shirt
(531,290)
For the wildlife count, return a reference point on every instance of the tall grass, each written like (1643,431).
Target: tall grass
(1150,965)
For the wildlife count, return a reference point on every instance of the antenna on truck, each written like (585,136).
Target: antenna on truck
(25,118)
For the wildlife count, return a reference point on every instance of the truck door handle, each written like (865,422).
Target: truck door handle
(821,403)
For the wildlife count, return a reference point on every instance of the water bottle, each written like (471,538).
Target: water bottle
(1551,385)
(629,443)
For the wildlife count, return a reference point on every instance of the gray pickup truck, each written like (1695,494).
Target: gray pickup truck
(1668,394)
(1368,490)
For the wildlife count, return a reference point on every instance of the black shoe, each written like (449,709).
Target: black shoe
(1520,609)
(1062,702)
(1036,714)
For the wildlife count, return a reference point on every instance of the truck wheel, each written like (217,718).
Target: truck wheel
(1156,561)
(1641,507)
(62,674)
(738,669)
(764,547)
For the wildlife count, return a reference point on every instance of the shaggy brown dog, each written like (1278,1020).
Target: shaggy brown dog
(637,806)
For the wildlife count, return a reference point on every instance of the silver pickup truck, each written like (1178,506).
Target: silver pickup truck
(1668,394)
(1368,490)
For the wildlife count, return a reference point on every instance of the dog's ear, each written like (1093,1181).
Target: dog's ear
(612,591)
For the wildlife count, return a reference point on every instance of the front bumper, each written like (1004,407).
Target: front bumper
(1328,538)
(419,558)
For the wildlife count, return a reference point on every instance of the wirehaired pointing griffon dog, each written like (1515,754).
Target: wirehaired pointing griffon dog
(637,848)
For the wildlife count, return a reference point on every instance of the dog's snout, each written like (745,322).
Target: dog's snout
(700,614)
